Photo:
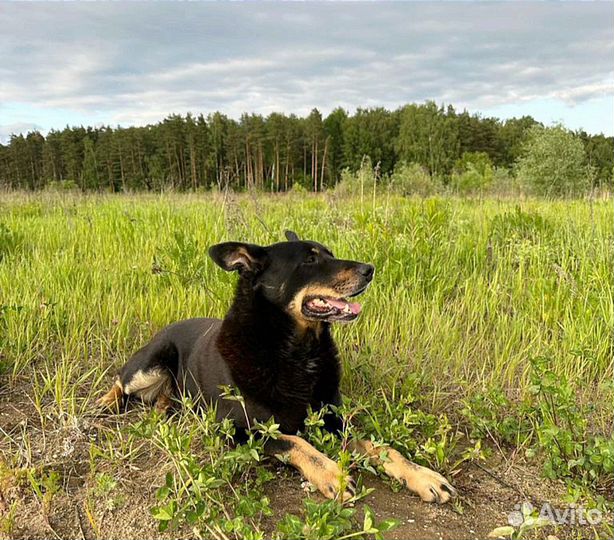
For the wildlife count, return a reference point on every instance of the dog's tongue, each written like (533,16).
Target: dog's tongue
(340,305)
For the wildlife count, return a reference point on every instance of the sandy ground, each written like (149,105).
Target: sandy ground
(488,492)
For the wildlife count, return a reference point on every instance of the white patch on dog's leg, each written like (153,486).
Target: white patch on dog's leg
(148,385)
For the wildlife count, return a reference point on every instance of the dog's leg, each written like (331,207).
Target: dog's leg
(321,471)
(163,403)
(113,399)
(148,374)
(428,484)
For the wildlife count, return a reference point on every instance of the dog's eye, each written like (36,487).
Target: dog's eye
(312,259)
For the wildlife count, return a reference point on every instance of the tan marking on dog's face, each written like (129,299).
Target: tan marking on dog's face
(345,275)
(321,471)
(345,284)
(347,281)
(296,304)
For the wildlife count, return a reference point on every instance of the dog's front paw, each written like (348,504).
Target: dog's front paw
(428,484)
(328,477)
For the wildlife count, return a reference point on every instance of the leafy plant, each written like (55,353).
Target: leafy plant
(528,519)
(562,430)
(553,163)
(44,485)
(473,172)
(551,422)
(196,493)
(332,521)
(413,179)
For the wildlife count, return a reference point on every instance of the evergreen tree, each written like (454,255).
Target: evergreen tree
(367,133)
(334,128)
(89,179)
(191,152)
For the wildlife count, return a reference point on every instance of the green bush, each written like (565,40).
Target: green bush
(362,182)
(551,422)
(413,179)
(553,163)
(470,181)
(480,161)
(298,188)
(473,173)
(504,183)
(62,185)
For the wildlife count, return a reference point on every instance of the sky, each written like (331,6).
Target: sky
(135,63)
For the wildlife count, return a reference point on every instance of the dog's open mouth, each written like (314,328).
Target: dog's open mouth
(330,309)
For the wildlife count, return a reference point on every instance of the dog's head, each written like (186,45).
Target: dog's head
(301,277)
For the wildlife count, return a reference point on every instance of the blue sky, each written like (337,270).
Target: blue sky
(134,63)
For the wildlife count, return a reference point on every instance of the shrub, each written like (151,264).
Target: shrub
(412,178)
(503,182)
(473,173)
(62,185)
(480,161)
(550,421)
(553,163)
(360,183)
(298,188)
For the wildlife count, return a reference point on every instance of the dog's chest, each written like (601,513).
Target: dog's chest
(312,366)
(298,374)
(304,368)
(308,359)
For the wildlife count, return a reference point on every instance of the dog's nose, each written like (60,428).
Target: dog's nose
(366,270)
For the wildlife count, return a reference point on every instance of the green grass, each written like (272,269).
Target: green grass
(466,292)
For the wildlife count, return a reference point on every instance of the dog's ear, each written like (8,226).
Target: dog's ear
(291,236)
(248,259)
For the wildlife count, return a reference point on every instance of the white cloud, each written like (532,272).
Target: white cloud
(585,92)
(7,130)
(136,63)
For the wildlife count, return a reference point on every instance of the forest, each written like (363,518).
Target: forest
(273,153)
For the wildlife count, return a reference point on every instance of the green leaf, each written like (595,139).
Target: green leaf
(162,493)
(368,521)
(501,531)
(387,525)
(161,513)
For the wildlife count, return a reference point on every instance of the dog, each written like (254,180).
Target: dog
(274,345)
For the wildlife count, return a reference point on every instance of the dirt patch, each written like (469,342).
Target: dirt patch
(78,509)
(485,502)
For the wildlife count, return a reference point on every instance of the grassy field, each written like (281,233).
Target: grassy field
(488,325)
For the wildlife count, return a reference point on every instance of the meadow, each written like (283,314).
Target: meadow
(484,344)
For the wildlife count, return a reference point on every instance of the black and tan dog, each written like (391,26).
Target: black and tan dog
(275,346)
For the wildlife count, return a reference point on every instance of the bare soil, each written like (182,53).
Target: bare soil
(488,492)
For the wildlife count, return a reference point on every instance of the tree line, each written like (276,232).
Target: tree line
(274,152)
